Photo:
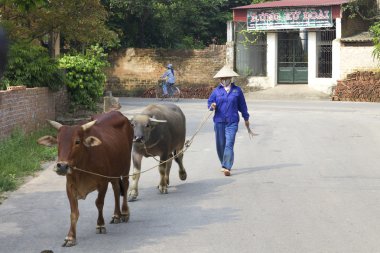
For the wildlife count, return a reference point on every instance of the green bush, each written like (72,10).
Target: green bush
(31,65)
(375,29)
(188,42)
(85,77)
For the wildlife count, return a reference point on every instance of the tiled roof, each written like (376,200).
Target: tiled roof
(361,37)
(293,3)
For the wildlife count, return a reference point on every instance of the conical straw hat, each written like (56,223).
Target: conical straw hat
(226,72)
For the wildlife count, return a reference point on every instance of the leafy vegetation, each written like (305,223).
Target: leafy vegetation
(79,23)
(31,65)
(125,23)
(85,77)
(20,156)
(170,24)
(375,29)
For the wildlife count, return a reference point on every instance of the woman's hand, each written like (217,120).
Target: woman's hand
(213,106)
(250,133)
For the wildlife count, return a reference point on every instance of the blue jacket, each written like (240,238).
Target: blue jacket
(228,104)
(170,75)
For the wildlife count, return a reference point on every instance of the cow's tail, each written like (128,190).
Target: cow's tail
(121,187)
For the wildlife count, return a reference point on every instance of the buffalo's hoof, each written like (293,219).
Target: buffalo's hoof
(183,176)
(132,195)
(163,189)
(101,230)
(124,218)
(115,220)
(69,242)
(132,198)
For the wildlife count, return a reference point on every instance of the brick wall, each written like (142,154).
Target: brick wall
(28,109)
(141,68)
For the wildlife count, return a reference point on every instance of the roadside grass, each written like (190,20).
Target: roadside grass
(21,156)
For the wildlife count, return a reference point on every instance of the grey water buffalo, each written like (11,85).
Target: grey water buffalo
(90,156)
(158,131)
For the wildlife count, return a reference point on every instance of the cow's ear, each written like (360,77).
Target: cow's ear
(92,141)
(47,140)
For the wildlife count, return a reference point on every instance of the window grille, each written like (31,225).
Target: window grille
(251,58)
(324,53)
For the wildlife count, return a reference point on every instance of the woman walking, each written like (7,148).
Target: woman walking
(227,100)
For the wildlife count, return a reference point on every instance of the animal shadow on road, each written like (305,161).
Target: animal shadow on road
(154,218)
(159,217)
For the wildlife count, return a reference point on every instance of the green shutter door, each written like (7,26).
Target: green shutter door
(292,58)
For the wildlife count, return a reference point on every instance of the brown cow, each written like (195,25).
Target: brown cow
(102,146)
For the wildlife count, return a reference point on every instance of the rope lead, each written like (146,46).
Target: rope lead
(187,145)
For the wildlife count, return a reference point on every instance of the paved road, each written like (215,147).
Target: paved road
(310,182)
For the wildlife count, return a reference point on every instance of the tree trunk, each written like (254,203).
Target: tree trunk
(54,44)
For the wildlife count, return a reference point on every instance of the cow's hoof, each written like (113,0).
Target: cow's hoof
(69,242)
(115,220)
(101,230)
(124,218)
(183,176)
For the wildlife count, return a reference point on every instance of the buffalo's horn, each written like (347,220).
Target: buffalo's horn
(55,124)
(158,120)
(88,125)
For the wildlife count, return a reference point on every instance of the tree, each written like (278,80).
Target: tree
(170,23)
(366,9)
(80,22)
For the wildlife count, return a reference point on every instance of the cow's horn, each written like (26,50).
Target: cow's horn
(158,120)
(55,124)
(88,125)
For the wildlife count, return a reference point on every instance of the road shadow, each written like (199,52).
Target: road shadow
(241,171)
(39,221)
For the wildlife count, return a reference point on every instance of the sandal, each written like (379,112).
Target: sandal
(227,173)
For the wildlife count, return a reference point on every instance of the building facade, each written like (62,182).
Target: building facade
(298,42)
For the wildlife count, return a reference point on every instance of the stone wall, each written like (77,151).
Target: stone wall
(141,68)
(28,109)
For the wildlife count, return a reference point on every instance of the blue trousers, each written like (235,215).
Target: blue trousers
(167,88)
(225,134)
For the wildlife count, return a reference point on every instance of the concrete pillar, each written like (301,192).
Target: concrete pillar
(230,45)
(336,72)
(272,59)
(230,31)
(312,58)
(230,54)
(338,26)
